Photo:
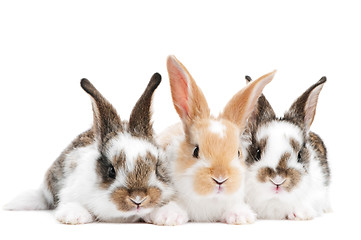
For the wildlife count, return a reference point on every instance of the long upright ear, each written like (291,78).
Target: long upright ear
(263,110)
(140,119)
(240,107)
(188,98)
(303,110)
(106,119)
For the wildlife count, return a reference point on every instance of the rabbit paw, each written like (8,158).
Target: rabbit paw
(168,215)
(73,213)
(238,216)
(302,214)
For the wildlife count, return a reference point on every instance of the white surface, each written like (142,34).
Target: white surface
(47,47)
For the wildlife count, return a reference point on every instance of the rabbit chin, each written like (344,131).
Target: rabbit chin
(268,191)
(141,212)
(219,192)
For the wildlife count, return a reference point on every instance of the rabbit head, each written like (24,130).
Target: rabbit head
(279,150)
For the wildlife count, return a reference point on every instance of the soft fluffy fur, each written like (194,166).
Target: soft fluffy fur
(112,172)
(205,154)
(288,175)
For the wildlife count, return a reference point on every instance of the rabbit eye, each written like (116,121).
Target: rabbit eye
(111,172)
(196,152)
(299,157)
(258,154)
(239,153)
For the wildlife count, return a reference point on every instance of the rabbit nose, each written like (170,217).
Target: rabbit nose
(220,180)
(137,200)
(278,181)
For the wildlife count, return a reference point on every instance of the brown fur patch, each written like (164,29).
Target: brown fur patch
(291,175)
(282,164)
(254,147)
(321,151)
(122,198)
(106,119)
(56,172)
(138,178)
(264,174)
(140,119)
(263,144)
(293,178)
(295,145)
(119,161)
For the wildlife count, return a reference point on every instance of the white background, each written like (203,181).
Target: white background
(46,47)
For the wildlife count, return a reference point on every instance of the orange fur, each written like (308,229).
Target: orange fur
(219,152)
(240,107)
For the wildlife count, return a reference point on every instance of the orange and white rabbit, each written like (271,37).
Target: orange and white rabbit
(204,152)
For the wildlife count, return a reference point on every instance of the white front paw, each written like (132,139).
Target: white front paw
(73,213)
(302,214)
(168,215)
(241,215)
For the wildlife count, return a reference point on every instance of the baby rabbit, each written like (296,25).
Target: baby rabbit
(206,161)
(288,174)
(112,172)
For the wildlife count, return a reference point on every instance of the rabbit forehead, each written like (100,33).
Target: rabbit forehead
(280,137)
(280,131)
(132,148)
(217,139)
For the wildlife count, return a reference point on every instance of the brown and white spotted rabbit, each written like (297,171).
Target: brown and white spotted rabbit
(288,175)
(112,172)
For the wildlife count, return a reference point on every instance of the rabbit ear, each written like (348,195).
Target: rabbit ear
(106,119)
(188,98)
(302,111)
(263,110)
(240,107)
(140,119)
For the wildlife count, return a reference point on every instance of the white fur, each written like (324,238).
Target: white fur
(73,213)
(30,200)
(217,127)
(170,214)
(133,148)
(307,200)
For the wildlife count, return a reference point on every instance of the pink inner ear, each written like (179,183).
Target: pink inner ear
(311,104)
(179,88)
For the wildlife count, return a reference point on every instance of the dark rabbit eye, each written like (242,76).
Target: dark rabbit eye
(196,152)
(239,153)
(258,154)
(299,157)
(111,172)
